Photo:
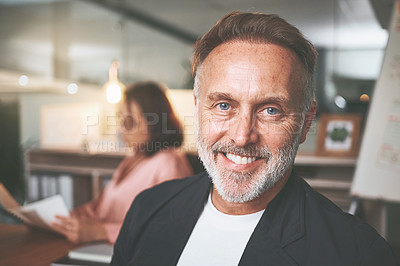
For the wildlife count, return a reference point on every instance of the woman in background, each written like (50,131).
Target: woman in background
(150,128)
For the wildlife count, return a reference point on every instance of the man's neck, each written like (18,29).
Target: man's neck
(255,205)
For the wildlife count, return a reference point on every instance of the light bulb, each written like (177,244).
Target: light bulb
(72,88)
(364,98)
(23,80)
(113,93)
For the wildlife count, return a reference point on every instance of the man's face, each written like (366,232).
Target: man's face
(250,122)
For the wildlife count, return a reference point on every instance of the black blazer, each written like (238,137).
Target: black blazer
(299,227)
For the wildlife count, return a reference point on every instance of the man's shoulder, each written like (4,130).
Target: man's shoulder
(322,213)
(168,195)
(321,204)
(319,200)
(171,188)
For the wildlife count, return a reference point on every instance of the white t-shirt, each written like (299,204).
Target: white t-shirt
(218,238)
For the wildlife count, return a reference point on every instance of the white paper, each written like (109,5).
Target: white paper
(42,213)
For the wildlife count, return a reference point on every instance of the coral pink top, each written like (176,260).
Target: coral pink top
(116,198)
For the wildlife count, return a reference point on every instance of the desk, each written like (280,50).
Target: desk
(20,245)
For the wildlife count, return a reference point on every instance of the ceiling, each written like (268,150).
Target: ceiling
(77,40)
(320,20)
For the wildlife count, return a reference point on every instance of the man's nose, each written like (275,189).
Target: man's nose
(244,131)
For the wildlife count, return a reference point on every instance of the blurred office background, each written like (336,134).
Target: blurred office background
(55,61)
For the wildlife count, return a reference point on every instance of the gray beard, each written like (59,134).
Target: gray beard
(244,186)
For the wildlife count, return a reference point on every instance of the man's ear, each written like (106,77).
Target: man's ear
(308,121)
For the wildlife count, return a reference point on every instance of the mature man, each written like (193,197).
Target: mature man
(254,98)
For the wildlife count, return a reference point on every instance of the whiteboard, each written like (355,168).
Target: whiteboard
(377,174)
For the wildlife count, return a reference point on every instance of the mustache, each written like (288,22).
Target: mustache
(251,150)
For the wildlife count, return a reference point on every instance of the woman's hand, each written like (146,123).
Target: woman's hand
(82,211)
(80,230)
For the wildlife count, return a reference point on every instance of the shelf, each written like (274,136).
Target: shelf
(68,161)
(303,159)
(328,184)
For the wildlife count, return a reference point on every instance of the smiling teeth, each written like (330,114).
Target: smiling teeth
(239,159)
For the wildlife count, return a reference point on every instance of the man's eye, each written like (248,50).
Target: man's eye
(224,106)
(272,111)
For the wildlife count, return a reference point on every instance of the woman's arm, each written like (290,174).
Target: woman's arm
(80,230)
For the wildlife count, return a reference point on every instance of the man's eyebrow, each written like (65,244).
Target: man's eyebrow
(274,99)
(218,96)
(227,96)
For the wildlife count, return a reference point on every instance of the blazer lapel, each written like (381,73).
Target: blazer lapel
(170,233)
(281,224)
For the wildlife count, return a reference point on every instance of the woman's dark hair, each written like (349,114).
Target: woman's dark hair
(165,130)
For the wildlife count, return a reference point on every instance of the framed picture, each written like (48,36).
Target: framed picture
(338,135)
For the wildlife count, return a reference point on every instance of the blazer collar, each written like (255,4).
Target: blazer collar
(168,235)
(283,218)
(282,223)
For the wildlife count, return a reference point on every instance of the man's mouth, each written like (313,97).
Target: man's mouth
(238,159)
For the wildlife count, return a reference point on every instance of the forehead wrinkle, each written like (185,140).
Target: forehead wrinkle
(251,68)
(247,75)
(241,70)
(250,84)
